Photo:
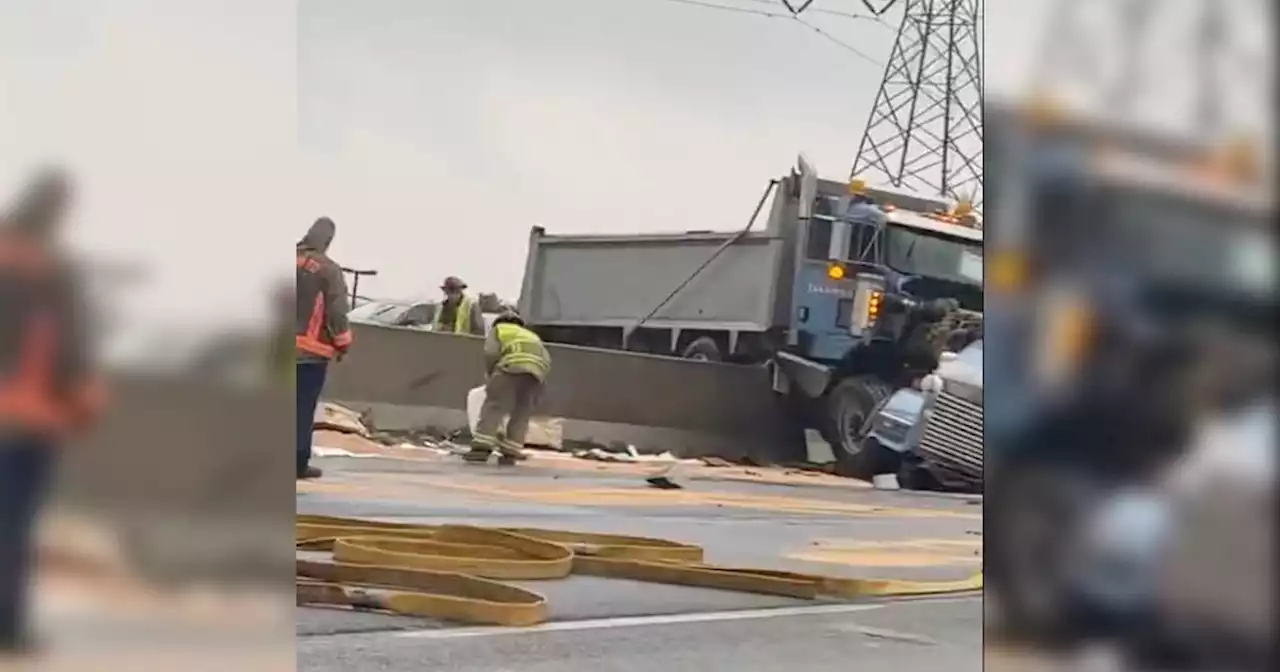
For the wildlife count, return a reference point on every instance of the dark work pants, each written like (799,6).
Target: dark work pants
(26,468)
(514,396)
(308,383)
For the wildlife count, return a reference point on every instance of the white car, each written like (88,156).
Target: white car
(412,314)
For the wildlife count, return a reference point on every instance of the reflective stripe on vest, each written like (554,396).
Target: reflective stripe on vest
(521,347)
(461,319)
(310,341)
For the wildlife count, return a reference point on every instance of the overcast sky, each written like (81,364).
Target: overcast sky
(435,132)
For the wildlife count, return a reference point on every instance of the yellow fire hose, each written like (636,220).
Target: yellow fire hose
(456,572)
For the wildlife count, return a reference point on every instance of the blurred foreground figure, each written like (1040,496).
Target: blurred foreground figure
(321,331)
(1133,302)
(48,386)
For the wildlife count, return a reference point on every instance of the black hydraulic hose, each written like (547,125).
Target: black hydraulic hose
(723,246)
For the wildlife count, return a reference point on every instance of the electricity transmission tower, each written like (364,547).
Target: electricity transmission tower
(1193,65)
(925,129)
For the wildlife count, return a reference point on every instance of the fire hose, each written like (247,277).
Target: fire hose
(459,572)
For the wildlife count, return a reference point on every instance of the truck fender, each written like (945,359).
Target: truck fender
(810,377)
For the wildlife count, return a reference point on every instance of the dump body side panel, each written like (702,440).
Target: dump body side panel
(616,280)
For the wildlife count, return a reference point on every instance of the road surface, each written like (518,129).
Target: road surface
(606,624)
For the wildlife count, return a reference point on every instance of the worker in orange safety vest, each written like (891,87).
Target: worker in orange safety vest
(49,386)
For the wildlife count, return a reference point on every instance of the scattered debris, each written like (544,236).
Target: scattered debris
(888,482)
(629,457)
(663,483)
(337,418)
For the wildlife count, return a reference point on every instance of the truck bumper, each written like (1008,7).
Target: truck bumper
(791,372)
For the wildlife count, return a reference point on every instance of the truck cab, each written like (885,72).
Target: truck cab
(879,274)
(892,243)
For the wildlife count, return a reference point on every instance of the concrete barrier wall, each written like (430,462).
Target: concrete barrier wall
(405,368)
(195,477)
(183,446)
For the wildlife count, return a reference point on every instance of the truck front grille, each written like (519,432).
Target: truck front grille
(952,436)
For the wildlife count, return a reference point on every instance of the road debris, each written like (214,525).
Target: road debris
(339,418)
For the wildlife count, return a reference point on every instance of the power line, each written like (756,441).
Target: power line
(838,42)
(790,17)
(731,8)
(810,9)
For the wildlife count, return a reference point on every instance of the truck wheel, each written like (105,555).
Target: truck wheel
(850,405)
(703,349)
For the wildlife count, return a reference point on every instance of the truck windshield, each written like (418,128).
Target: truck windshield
(935,255)
(1170,236)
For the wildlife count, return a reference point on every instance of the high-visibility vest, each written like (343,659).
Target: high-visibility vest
(461,318)
(522,351)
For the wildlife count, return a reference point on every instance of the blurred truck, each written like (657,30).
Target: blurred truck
(1133,299)
(848,292)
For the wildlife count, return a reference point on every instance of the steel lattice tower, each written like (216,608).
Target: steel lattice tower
(1123,59)
(925,129)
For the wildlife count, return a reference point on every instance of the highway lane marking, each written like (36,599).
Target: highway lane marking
(641,621)
(896,553)
(636,497)
(672,619)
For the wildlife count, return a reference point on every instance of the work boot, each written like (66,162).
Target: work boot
(310,473)
(511,453)
(477,454)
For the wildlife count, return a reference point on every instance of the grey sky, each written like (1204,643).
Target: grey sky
(179,119)
(435,132)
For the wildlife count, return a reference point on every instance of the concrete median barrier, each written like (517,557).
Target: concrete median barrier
(409,377)
(191,475)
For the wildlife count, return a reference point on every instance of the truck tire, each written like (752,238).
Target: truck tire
(849,406)
(704,349)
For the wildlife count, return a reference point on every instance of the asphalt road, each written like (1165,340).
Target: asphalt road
(905,636)
(606,624)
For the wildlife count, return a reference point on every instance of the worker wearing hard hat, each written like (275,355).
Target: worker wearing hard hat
(458,313)
(517,364)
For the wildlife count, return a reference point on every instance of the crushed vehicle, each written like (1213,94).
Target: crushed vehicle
(930,434)
(848,293)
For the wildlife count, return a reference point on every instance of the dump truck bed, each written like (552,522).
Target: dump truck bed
(616,280)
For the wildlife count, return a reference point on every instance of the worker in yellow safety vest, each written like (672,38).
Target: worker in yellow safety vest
(458,313)
(516,364)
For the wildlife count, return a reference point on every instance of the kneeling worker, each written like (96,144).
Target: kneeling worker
(517,364)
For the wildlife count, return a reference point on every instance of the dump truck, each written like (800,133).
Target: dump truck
(847,292)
